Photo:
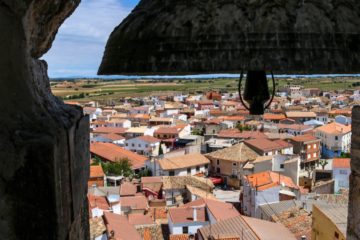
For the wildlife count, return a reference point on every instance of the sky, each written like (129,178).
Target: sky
(79,45)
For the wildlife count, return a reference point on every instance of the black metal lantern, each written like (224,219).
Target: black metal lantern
(256,92)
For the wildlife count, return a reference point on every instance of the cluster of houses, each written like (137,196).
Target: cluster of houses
(216,172)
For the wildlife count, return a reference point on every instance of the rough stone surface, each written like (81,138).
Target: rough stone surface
(353,226)
(44,145)
(200,36)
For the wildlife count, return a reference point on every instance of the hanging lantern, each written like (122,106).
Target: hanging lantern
(256,92)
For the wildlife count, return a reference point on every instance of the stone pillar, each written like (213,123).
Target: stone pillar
(44,144)
(353,227)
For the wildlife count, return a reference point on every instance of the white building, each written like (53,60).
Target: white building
(144,145)
(335,139)
(341,173)
(188,218)
(264,188)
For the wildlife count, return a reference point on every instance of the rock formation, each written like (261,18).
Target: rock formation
(200,36)
(44,145)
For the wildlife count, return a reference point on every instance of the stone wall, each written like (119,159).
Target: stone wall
(44,144)
(353,226)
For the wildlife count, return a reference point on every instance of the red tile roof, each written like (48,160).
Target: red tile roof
(267,145)
(218,209)
(179,237)
(136,202)
(341,162)
(305,138)
(235,133)
(140,219)
(106,130)
(148,139)
(334,128)
(186,215)
(96,171)
(270,116)
(269,179)
(113,153)
(127,189)
(112,136)
(168,130)
(120,226)
(98,202)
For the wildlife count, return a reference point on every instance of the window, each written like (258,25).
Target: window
(197,168)
(336,138)
(343,172)
(165,136)
(188,171)
(218,170)
(185,230)
(314,146)
(337,235)
(234,164)
(206,166)
(171,173)
(146,145)
(308,146)
(282,166)
(309,156)
(126,144)
(139,145)
(314,155)
(133,145)
(218,162)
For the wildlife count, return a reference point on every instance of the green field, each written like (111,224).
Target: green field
(95,89)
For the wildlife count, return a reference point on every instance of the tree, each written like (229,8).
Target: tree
(144,173)
(309,168)
(323,163)
(345,155)
(118,168)
(243,127)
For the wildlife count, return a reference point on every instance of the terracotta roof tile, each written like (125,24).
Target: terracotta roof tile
(136,202)
(341,162)
(237,153)
(334,128)
(113,153)
(220,210)
(148,139)
(96,171)
(179,237)
(270,116)
(140,219)
(120,226)
(113,136)
(127,189)
(98,202)
(185,161)
(305,138)
(106,130)
(266,145)
(268,179)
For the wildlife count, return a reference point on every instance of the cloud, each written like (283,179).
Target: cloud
(80,43)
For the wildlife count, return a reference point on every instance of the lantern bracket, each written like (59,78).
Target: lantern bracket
(241,98)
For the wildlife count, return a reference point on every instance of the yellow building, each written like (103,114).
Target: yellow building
(329,222)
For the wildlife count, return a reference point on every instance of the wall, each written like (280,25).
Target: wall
(323,227)
(44,143)
(341,177)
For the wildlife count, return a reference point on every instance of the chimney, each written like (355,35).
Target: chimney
(194,214)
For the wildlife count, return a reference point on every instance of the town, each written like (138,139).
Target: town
(199,166)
